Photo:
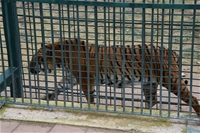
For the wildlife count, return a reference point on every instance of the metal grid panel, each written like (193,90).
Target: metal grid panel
(176,29)
(3,56)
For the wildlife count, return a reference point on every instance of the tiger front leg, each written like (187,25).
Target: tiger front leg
(60,86)
(150,95)
(88,91)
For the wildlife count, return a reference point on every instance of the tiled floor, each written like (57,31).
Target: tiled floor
(12,126)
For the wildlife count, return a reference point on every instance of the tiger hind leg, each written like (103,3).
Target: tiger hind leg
(184,93)
(150,95)
(154,94)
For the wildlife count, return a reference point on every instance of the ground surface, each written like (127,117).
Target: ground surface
(36,119)
(10,126)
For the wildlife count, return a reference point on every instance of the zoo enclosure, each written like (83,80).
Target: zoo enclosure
(27,23)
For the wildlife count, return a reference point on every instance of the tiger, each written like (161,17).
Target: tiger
(117,65)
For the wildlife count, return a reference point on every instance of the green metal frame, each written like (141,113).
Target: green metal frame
(12,76)
(118,4)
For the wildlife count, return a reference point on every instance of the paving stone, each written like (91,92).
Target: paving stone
(7,126)
(98,130)
(193,129)
(67,129)
(33,127)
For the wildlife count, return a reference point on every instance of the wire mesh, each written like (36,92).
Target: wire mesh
(176,29)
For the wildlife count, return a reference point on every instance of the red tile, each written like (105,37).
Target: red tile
(67,129)
(7,126)
(33,127)
(99,130)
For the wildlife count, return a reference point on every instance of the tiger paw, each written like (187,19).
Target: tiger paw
(51,96)
(43,97)
(147,105)
(64,86)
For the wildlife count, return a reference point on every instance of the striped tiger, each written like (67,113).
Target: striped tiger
(113,62)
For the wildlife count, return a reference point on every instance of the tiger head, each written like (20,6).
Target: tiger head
(43,59)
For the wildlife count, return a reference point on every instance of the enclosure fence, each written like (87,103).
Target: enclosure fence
(118,30)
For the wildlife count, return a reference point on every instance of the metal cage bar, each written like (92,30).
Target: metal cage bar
(12,75)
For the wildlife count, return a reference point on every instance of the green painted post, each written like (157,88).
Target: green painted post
(11,30)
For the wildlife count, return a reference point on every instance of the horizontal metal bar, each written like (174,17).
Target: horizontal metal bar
(111,97)
(8,77)
(118,4)
(177,23)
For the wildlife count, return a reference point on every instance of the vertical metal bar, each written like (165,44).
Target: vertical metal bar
(44,51)
(114,41)
(62,54)
(123,60)
(27,50)
(120,40)
(133,60)
(23,77)
(108,38)
(11,30)
(180,63)
(74,26)
(87,50)
(31,36)
(192,55)
(105,60)
(143,55)
(171,20)
(64,38)
(53,49)
(80,58)
(70,59)
(96,55)
(157,27)
(151,59)
(161,61)
(30,30)
(35,40)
